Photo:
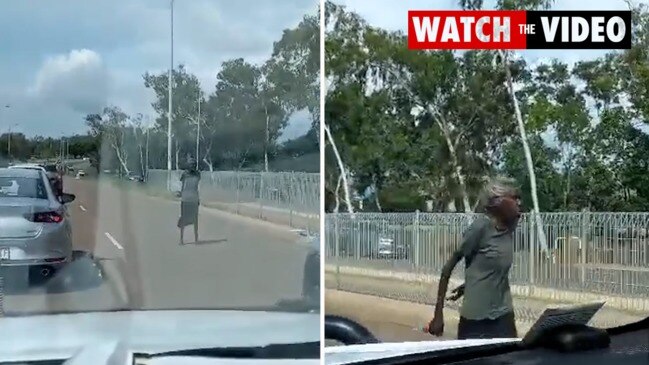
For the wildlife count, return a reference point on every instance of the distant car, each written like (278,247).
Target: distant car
(135,177)
(36,231)
(81,173)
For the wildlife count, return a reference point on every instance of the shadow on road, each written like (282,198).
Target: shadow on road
(207,242)
(83,273)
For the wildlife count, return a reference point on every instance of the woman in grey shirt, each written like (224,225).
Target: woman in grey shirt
(487,248)
(189,200)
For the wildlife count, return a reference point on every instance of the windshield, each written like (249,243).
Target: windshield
(21,187)
(226,156)
(429,150)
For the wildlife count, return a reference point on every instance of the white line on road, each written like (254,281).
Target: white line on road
(113,241)
(82,208)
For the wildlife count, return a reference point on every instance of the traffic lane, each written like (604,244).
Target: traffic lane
(239,262)
(83,212)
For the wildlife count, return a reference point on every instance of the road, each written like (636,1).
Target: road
(393,309)
(239,262)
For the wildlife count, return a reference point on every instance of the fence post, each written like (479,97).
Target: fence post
(585,224)
(416,241)
(532,246)
(238,194)
(336,249)
(290,201)
(261,195)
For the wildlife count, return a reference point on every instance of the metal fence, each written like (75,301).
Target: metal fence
(293,194)
(602,253)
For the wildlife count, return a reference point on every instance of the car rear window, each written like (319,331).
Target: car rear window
(51,168)
(22,187)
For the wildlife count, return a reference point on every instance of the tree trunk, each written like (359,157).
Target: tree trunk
(177,154)
(122,158)
(337,194)
(341,167)
(455,163)
(526,149)
(377,201)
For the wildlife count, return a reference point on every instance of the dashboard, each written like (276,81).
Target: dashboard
(631,348)
(628,345)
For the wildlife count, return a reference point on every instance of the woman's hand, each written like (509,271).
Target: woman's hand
(456,293)
(436,326)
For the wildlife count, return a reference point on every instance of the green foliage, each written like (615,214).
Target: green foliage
(431,126)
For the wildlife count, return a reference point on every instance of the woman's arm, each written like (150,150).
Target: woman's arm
(447,270)
(468,246)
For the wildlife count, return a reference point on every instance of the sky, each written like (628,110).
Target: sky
(64,59)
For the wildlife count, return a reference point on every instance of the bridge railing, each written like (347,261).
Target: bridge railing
(292,197)
(605,253)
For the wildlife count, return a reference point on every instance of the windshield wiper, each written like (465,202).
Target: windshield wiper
(304,350)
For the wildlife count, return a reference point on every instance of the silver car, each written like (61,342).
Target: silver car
(35,229)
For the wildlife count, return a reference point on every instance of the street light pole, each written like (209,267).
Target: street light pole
(198,127)
(63,142)
(9,134)
(9,144)
(169,112)
(146,173)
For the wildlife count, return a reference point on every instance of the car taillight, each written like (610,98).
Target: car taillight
(44,217)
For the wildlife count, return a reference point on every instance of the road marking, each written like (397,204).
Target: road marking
(113,241)
(82,208)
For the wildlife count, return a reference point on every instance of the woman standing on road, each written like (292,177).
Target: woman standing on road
(487,248)
(189,199)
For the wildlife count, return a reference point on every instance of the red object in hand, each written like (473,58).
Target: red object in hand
(45,217)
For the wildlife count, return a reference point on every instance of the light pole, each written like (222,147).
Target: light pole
(169,112)
(198,126)
(146,153)
(62,150)
(9,140)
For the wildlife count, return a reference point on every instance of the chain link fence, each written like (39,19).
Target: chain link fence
(592,256)
(291,198)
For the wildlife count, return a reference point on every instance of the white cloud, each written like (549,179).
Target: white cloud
(77,80)
(64,61)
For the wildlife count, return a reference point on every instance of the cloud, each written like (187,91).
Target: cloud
(77,80)
(60,62)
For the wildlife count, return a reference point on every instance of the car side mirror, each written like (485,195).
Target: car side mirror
(67,198)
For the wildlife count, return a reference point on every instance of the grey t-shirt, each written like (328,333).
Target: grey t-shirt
(488,254)
(189,192)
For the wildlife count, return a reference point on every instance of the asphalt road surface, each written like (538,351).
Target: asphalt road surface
(239,262)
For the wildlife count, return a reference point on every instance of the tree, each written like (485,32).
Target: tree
(293,71)
(186,92)
(109,128)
